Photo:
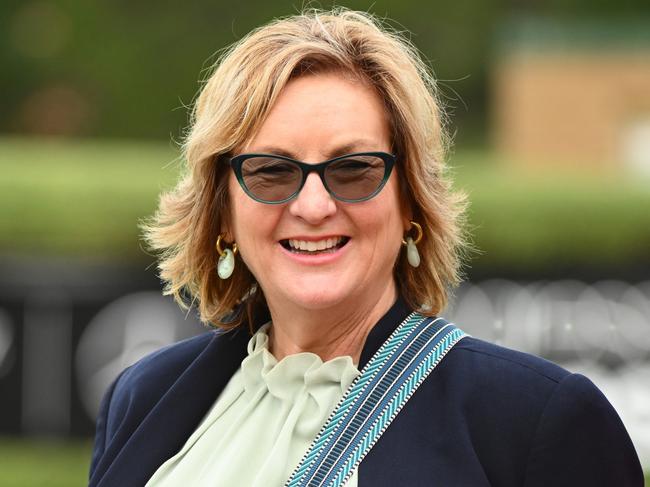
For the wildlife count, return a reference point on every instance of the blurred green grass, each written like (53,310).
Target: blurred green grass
(84,198)
(31,463)
(568,217)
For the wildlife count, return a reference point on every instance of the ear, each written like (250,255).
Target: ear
(407,213)
(405,202)
(225,228)
(228,236)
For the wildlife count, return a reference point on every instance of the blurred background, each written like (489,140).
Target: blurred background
(549,102)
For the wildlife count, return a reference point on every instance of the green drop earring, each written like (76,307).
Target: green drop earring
(412,254)
(226,264)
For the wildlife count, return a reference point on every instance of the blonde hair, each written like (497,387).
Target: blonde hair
(234,102)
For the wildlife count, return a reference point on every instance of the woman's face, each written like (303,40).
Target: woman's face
(318,117)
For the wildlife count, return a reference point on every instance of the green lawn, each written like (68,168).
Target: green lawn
(26,463)
(85,198)
(79,198)
(537,218)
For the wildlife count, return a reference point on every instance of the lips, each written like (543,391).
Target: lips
(329,244)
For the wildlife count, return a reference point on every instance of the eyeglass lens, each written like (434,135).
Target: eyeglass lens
(354,178)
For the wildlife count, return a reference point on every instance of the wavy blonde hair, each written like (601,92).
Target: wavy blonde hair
(236,99)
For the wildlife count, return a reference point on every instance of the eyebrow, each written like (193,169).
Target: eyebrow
(360,145)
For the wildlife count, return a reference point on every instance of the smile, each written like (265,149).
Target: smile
(311,247)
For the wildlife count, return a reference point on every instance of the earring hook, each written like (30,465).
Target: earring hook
(220,251)
(420,233)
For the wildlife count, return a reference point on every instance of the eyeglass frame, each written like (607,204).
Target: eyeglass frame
(236,163)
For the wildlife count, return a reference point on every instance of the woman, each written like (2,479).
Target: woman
(314,217)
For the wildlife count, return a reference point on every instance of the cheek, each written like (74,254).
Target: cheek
(240,216)
(383,226)
(241,211)
(391,211)
(253,226)
(393,223)
(232,213)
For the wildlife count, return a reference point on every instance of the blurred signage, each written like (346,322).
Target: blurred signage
(65,335)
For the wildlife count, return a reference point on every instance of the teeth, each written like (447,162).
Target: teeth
(313,246)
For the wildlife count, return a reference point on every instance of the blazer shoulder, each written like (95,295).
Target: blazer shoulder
(476,371)
(554,427)
(159,384)
(161,368)
(138,387)
(491,360)
(581,440)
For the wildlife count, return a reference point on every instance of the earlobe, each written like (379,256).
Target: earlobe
(406,220)
(406,224)
(225,228)
(226,234)
(406,207)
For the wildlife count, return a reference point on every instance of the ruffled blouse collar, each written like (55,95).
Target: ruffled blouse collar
(294,374)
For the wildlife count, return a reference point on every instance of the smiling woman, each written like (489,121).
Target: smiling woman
(287,85)
(316,223)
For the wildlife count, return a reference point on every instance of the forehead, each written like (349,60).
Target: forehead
(316,115)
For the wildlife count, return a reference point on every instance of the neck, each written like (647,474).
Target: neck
(332,332)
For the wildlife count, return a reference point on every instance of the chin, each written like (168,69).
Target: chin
(318,298)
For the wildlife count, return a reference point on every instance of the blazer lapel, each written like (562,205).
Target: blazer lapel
(176,415)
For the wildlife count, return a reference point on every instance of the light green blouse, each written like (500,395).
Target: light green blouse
(262,423)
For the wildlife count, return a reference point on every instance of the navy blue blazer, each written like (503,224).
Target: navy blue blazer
(486,416)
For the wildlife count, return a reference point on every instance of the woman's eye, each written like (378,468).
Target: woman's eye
(272,170)
(353,165)
(275,169)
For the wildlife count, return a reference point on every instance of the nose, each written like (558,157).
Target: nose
(313,204)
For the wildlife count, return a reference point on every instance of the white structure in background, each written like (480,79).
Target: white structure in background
(6,342)
(636,145)
(122,333)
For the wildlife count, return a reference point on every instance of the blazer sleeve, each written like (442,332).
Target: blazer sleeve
(580,440)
